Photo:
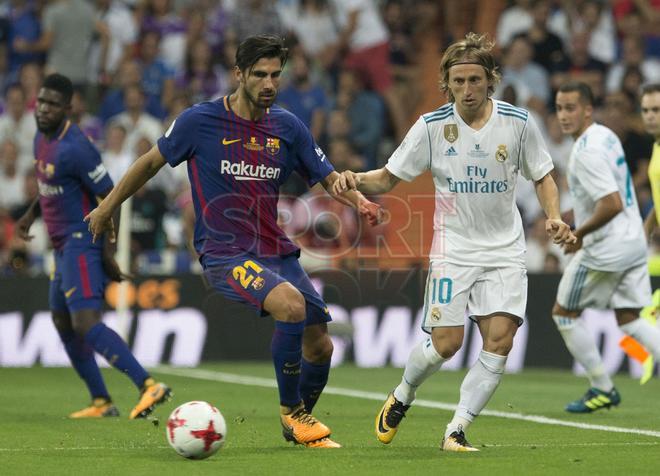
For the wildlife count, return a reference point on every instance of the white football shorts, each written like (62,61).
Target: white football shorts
(451,290)
(581,287)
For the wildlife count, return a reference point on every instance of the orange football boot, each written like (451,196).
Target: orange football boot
(99,408)
(153,393)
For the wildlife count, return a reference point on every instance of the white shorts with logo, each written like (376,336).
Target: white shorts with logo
(482,291)
(581,287)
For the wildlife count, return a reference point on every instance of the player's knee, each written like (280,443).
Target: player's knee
(293,308)
(80,327)
(500,345)
(447,340)
(285,303)
(320,351)
(445,347)
(83,321)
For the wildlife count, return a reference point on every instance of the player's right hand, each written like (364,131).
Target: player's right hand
(23,227)
(372,212)
(347,181)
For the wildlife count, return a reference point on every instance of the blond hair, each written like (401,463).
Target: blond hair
(473,49)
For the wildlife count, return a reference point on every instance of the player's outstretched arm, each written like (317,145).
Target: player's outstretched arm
(352,198)
(548,195)
(100,219)
(606,208)
(373,182)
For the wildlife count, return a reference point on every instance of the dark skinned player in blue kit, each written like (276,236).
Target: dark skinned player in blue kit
(239,150)
(72,180)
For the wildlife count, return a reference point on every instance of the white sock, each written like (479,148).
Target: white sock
(646,334)
(423,361)
(582,346)
(478,386)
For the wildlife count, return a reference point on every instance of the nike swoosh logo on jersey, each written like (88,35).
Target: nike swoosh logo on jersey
(70,292)
(227,142)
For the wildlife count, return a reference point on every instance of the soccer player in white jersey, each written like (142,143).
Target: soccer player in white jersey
(609,269)
(475,148)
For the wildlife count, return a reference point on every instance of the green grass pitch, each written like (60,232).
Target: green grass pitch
(36,437)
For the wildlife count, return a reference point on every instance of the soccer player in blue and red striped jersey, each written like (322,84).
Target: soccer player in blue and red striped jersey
(72,179)
(239,150)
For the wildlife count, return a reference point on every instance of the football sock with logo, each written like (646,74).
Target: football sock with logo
(478,386)
(107,342)
(313,378)
(83,361)
(646,334)
(582,346)
(286,349)
(423,362)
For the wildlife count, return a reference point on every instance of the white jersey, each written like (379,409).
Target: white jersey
(597,167)
(476,221)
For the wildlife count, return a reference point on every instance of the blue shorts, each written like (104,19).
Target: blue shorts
(248,279)
(78,280)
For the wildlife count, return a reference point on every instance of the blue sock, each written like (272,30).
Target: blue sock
(312,382)
(286,348)
(81,356)
(107,342)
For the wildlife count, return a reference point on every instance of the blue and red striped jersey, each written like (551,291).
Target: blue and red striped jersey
(70,175)
(236,168)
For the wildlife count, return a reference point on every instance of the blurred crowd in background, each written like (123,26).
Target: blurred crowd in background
(354,76)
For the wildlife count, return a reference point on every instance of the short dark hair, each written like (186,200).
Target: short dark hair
(583,89)
(61,84)
(254,48)
(649,88)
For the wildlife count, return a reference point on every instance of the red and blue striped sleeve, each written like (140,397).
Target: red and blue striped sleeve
(178,143)
(313,163)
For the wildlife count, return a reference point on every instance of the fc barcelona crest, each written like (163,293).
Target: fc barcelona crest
(47,169)
(258,283)
(451,132)
(501,154)
(272,145)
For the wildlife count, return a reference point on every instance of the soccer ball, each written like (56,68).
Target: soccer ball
(196,430)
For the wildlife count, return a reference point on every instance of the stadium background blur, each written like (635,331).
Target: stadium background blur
(137,64)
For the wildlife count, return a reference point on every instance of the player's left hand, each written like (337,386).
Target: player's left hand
(98,223)
(372,212)
(111,268)
(347,180)
(559,231)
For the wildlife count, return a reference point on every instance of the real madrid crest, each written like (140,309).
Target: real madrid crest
(501,154)
(435,314)
(451,132)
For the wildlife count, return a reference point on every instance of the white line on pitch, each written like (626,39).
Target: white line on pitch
(488,445)
(82,448)
(347,392)
(573,445)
